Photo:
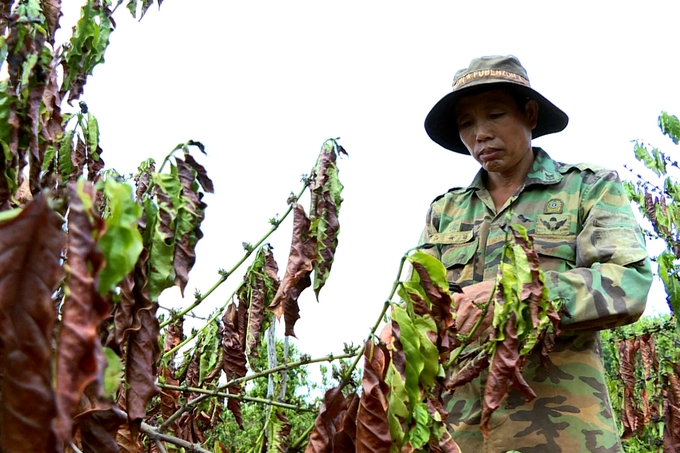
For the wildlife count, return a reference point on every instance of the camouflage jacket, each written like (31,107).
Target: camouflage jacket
(593,254)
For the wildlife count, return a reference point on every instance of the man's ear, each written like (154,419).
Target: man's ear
(531,112)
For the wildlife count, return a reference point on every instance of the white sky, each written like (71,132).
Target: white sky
(262,84)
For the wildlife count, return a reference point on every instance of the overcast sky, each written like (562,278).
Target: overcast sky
(263,83)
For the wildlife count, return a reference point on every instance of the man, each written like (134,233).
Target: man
(590,246)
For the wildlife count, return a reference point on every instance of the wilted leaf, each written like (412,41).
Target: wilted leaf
(279,430)
(300,265)
(234,360)
(87,47)
(344,439)
(201,173)
(505,372)
(327,423)
(373,430)
(80,360)
(325,206)
(260,286)
(143,350)
(122,242)
(52,11)
(99,429)
(169,397)
(187,225)
(30,246)
(671,434)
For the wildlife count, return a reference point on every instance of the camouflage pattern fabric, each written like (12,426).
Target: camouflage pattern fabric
(594,258)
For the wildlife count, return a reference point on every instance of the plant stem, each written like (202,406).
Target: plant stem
(226,274)
(208,393)
(207,323)
(237,397)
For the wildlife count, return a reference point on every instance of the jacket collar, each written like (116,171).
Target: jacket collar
(544,170)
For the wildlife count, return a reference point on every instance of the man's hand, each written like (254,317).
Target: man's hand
(467,312)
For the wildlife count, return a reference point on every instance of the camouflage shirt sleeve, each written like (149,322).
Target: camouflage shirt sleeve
(609,284)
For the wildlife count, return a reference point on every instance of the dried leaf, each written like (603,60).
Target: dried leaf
(187,225)
(300,265)
(169,397)
(30,246)
(325,206)
(201,173)
(373,430)
(671,430)
(344,439)
(260,286)
(52,11)
(629,412)
(469,371)
(505,371)
(142,351)
(80,360)
(99,430)
(279,430)
(234,360)
(330,419)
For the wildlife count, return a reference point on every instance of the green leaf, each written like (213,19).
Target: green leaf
(669,276)
(66,167)
(428,350)
(398,399)
(210,345)
(113,373)
(415,364)
(670,126)
(122,242)
(433,266)
(92,134)
(420,434)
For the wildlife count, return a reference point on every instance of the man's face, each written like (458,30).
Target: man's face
(494,129)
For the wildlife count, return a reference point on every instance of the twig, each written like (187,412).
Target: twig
(226,274)
(153,434)
(189,404)
(236,397)
(160,446)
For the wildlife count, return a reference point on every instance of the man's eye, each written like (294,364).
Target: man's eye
(464,124)
(496,115)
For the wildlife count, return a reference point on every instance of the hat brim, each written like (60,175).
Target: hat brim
(442,127)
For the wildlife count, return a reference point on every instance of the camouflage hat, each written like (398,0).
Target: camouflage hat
(483,74)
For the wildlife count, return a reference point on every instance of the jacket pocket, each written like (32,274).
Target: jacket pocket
(457,255)
(556,253)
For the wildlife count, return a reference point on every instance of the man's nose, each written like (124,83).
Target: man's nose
(483,131)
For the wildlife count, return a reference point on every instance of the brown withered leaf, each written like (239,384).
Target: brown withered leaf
(630,412)
(201,173)
(671,430)
(169,397)
(185,256)
(328,421)
(296,279)
(344,439)
(128,442)
(30,246)
(174,335)
(80,360)
(648,356)
(469,371)
(504,372)
(325,206)
(124,319)
(95,164)
(143,350)
(259,285)
(233,360)
(440,311)
(35,98)
(99,429)
(52,11)
(373,429)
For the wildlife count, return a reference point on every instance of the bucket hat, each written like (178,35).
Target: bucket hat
(487,73)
